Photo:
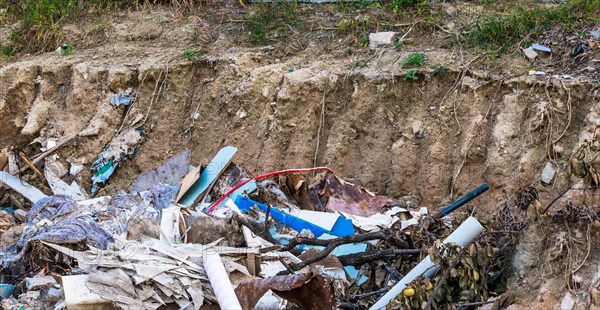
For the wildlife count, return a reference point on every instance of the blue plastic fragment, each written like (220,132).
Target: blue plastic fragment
(122,98)
(463,200)
(6,290)
(245,204)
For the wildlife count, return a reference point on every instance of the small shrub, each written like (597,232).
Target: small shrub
(413,60)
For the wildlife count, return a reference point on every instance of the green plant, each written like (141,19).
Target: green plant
(411,75)
(67,49)
(8,51)
(499,33)
(190,55)
(357,26)
(398,45)
(439,70)
(397,5)
(413,60)
(278,15)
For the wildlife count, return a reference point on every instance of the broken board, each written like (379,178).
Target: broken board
(31,193)
(59,187)
(208,176)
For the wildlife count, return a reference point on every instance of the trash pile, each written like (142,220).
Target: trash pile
(193,236)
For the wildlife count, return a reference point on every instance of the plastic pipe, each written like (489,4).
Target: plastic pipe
(463,235)
(219,280)
(464,199)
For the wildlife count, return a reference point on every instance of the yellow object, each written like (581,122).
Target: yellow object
(409,292)
(476,276)
(592,44)
(532,72)
(429,287)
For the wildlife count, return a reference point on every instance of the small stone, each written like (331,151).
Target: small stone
(530,53)
(39,282)
(297,63)
(416,126)
(241,113)
(548,173)
(568,302)
(20,215)
(381,38)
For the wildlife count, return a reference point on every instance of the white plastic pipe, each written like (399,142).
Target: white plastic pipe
(219,280)
(463,235)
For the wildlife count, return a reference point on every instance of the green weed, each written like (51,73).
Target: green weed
(398,45)
(275,16)
(190,55)
(39,22)
(411,75)
(500,32)
(7,51)
(413,60)
(357,26)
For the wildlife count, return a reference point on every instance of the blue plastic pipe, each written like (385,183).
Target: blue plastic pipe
(463,200)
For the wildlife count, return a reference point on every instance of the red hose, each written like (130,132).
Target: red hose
(260,177)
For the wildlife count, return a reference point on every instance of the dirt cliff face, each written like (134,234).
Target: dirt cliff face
(433,139)
(436,138)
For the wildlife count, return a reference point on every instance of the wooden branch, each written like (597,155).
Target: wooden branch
(358,259)
(330,245)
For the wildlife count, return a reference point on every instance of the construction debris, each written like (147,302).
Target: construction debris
(211,234)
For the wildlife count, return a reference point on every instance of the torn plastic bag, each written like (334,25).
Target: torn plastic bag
(60,220)
(123,145)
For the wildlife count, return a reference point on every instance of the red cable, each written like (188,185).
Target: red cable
(260,177)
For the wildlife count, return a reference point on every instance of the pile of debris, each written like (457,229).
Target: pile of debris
(211,234)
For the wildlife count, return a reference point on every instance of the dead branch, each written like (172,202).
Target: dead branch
(365,257)
(331,244)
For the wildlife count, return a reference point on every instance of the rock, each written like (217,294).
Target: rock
(530,53)
(596,33)
(568,302)
(241,113)
(39,282)
(20,215)
(416,126)
(548,173)
(381,38)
